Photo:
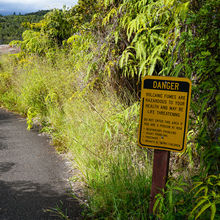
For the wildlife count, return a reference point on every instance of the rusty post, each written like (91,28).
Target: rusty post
(159,176)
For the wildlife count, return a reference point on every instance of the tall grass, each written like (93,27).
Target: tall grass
(89,120)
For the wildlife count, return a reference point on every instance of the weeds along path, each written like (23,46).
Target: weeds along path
(33,178)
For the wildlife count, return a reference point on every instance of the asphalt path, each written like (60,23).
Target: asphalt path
(6,49)
(33,177)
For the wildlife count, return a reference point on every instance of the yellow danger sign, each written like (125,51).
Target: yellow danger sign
(164,113)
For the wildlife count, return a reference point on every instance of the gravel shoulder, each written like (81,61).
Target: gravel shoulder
(33,177)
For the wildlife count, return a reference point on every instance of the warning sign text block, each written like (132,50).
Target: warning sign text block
(164,113)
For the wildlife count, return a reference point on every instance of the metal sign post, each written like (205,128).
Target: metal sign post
(163,123)
(160,173)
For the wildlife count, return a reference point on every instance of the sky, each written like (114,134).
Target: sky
(7,6)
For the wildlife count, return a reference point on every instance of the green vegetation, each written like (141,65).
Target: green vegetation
(12,26)
(78,75)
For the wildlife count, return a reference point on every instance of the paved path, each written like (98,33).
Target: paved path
(6,49)
(32,176)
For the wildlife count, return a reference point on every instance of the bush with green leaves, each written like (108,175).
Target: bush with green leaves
(207,194)
(200,56)
(174,202)
(57,26)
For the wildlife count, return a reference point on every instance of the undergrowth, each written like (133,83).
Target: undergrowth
(90,121)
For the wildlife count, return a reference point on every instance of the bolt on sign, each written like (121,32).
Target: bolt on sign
(164,114)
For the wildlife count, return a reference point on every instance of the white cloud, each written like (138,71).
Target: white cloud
(42,4)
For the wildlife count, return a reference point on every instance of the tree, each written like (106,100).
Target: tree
(57,26)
